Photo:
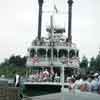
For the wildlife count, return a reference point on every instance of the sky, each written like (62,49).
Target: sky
(19,24)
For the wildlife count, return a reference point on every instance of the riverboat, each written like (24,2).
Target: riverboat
(57,53)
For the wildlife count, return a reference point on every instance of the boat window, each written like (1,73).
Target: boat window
(77,53)
(32,52)
(63,52)
(41,52)
(71,53)
(49,53)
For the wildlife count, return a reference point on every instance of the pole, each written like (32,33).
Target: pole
(40,18)
(62,81)
(62,78)
(70,2)
(51,41)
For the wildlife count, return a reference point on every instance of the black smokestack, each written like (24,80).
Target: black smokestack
(70,2)
(40,18)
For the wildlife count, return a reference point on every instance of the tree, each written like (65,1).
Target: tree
(24,60)
(97,67)
(17,61)
(84,65)
(92,64)
(12,60)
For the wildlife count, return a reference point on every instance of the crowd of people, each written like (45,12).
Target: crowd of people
(88,83)
(44,76)
(85,83)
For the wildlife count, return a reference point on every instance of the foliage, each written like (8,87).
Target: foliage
(12,65)
(11,70)
(15,61)
(97,67)
(95,64)
(92,64)
(84,63)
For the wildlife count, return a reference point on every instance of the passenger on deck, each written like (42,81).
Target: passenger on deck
(40,76)
(56,78)
(45,75)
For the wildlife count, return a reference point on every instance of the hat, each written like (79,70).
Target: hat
(95,74)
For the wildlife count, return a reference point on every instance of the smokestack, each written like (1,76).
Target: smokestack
(40,18)
(70,2)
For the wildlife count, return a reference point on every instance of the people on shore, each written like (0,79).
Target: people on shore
(84,85)
(17,83)
(71,85)
(17,80)
(89,83)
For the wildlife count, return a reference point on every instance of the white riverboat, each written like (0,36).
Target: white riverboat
(55,51)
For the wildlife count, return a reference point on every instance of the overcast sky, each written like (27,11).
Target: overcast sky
(18,24)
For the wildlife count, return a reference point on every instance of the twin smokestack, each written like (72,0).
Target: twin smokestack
(70,2)
(40,18)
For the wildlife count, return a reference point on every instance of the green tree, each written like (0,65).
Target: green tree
(84,65)
(16,61)
(12,60)
(97,67)
(92,64)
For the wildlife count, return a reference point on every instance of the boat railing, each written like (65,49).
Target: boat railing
(55,60)
(58,43)
(38,78)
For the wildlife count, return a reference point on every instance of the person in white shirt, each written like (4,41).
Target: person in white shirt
(78,82)
(84,86)
(45,75)
(17,80)
(94,84)
(71,85)
(99,84)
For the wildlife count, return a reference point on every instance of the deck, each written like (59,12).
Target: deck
(44,83)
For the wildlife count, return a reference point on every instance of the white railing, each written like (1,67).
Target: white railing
(73,45)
